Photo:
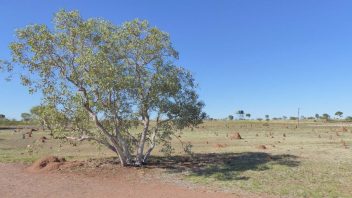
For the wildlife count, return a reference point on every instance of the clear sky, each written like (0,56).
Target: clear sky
(264,56)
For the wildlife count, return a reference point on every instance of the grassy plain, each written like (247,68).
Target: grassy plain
(275,157)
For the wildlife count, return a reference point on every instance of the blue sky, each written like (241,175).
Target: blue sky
(265,57)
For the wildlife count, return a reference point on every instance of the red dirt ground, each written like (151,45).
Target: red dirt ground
(16,181)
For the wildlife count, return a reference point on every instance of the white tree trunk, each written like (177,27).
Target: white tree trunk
(140,149)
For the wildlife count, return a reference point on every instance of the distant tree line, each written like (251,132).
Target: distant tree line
(241,115)
(325,116)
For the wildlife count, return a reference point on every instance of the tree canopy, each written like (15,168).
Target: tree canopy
(339,114)
(325,116)
(26,117)
(117,77)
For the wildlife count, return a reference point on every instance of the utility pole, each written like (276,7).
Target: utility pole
(298,118)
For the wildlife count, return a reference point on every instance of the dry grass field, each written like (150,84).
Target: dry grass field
(278,158)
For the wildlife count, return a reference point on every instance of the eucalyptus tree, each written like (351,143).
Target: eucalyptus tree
(325,116)
(26,117)
(267,117)
(230,117)
(120,77)
(240,114)
(339,114)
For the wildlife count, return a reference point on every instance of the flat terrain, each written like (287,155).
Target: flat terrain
(16,182)
(275,158)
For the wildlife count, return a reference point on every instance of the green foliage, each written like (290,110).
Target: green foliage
(267,118)
(6,66)
(339,114)
(6,122)
(348,118)
(325,116)
(317,116)
(230,117)
(51,118)
(117,77)
(26,117)
(240,114)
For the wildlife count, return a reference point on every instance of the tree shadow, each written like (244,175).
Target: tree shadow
(222,166)
(7,128)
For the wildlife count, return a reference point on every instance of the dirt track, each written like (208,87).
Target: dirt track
(16,182)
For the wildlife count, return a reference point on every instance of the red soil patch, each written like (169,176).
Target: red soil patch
(263,147)
(236,136)
(124,183)
(46,164)
(221,145)
(344,144)
(52,163)
(344,129)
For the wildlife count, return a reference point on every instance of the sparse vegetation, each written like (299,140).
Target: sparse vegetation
(277,159)
(119,115)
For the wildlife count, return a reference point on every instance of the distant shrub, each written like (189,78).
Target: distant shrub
(349,119)
(6,122)
(293,118)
